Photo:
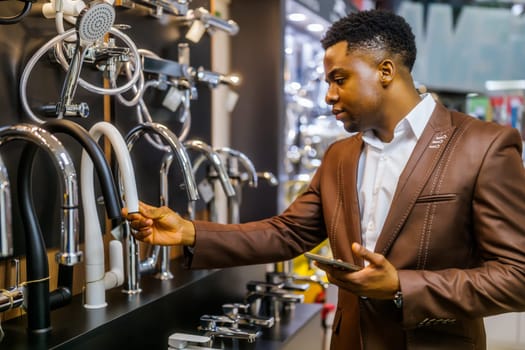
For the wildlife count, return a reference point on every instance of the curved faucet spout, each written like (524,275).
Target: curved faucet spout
(38,303)
(6,229)
(90,145)
(97,280)
(217,163)
(245,161)
(176,146)
(233,157)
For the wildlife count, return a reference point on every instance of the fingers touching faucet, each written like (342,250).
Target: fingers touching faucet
(160,226)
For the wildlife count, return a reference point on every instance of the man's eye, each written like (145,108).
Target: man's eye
(339,81)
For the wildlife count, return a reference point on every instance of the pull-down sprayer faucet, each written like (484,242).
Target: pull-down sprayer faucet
(38,300)
(133,263)
(97,280)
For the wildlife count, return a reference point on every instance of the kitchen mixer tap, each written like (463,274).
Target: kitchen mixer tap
(37,271)
(97,280)
(173,143)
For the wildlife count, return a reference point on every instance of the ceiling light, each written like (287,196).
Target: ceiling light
(315,27)
(297,17)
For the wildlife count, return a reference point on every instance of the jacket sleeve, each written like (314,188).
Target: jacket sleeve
(497,283)
(298,229)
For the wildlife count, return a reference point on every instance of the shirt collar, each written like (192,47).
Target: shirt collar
(420,115)
(416,120)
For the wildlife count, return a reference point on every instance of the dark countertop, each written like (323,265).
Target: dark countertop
(145,320)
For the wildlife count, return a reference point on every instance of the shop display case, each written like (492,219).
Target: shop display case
(309,126)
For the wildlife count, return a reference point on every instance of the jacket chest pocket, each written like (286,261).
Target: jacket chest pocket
(437,198)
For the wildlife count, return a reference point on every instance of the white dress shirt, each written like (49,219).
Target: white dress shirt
(380,166)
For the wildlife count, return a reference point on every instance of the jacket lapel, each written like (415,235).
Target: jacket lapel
(419,168)
(347,174)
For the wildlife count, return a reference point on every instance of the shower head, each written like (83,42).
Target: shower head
(94,21)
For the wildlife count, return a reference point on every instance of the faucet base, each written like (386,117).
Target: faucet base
(164,276)
(131,291)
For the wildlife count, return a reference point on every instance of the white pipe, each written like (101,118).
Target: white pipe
(97,281)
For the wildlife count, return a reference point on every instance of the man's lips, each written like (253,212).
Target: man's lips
(339,114)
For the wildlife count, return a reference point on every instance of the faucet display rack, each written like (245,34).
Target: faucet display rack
(175,305)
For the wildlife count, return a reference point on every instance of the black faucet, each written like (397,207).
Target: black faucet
(37,269)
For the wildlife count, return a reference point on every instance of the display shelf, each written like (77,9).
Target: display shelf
(145,320)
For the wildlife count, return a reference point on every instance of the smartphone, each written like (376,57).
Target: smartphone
(332,262)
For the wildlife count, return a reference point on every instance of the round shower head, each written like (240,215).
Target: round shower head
(95,20)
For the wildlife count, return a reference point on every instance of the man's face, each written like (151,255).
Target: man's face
(354,87)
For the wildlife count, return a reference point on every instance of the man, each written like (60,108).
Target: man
(428,200)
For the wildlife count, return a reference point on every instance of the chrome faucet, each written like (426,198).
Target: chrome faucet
(225,327)
(270,299)
(219,170)
(155,252)
(240,314)
(6,229)
(133,263)
(233,157)
(37,302)
(97,280)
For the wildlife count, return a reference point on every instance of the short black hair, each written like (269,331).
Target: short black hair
(374,29)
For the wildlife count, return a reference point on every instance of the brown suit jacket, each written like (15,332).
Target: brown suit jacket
(455,232)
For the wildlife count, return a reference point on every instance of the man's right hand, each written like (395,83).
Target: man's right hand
(160,226)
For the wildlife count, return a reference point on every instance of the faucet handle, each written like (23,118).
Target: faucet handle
(182,340)
(210,322)
(261,286)
(232,309)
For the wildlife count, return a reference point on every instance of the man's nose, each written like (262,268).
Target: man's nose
(331,96)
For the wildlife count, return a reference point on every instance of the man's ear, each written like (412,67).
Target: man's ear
(387,71)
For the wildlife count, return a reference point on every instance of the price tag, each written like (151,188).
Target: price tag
(206,190)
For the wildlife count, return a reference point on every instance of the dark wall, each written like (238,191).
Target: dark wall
(18,42)
(257,53)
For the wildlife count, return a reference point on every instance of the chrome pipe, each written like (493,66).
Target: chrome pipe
(6,228)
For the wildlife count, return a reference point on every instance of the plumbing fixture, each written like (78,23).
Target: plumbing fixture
(215,160)
(201,20)
(224,327)
(182,70)
(93,22)
(173,7)
(37,302)
(270,299)
(132,259)
(105,49)
(233,157)
(6,229)
(154,252)
(218,171)
(188,341)
(240,314)
(181,79)
(97,280)
(164,252)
